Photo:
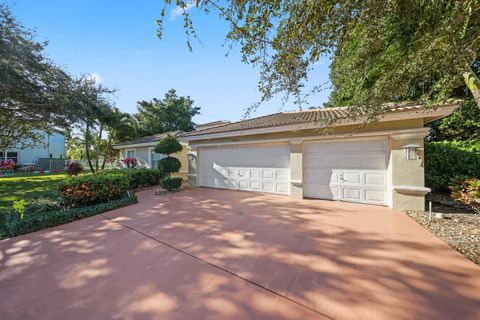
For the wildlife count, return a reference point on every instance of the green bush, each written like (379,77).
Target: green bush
(446,160)
(168,145)
(467,191)
(144,177)
(42,205)
(37,221)
(94,188)
(171,183)
(169,165)
(138,177)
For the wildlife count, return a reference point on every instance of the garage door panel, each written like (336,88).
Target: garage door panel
(326,191)
(244,185)
(255,173)
(352,194)
(282,175)
(352,177)
(267,174)
(320,162)
(374,179)
(264,168)
(375,196)
(321,176)
(256,186)
(282,188)
(375,162)
(352,170)
(268,186)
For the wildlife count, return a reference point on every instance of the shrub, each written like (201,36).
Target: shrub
(37,221)
(171,183)
(91,189)
(42,205)
(467,191)
(74,169)
(144,177)
(169,165)
(138,177)
(168,145)
(446,160)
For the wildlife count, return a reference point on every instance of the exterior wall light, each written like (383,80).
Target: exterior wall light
(411,151)
(190,157)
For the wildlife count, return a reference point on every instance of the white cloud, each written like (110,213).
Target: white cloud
(95,76)
(178,11)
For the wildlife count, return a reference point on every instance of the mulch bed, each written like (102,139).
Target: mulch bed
(459,228)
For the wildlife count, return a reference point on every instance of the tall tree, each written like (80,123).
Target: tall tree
(399,42)
(169,114)
(35,94)
(94,101)
(120,126)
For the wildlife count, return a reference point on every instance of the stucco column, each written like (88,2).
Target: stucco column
(296,168)
(192,158)
(407,176)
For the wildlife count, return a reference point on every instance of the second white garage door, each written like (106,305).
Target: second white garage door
(350,170)
(262,167)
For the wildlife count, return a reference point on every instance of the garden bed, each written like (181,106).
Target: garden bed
(459,228)
(16,225)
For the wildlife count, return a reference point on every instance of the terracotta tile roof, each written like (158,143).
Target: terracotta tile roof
(212,124)
(291,118)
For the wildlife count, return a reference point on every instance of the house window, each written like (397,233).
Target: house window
(11,155)
(130,153)
(154,157)
(2,155)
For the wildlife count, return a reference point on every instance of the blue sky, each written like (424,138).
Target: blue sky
(116,40)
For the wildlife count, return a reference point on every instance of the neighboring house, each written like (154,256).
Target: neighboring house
(293,153)
(142,149)
(51,146)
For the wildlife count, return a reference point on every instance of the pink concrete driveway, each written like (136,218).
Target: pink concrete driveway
(218,254)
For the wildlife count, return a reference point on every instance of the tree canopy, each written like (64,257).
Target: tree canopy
(169,114)
(381,49)
(35,94)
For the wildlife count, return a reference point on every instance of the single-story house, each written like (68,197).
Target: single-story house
(298,154)
(51,146)
(142,150)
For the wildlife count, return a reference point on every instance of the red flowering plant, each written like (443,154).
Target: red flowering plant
(7,164)
(130,162)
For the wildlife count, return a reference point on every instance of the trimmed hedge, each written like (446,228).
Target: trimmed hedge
(138,177)
(169,165)
(446,160)
(171,183)
(92,189)
(168,145)
(37,221)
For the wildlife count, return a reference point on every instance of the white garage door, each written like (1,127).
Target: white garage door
(353,170)
(262,168)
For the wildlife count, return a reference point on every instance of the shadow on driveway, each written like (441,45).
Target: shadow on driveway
(205,253)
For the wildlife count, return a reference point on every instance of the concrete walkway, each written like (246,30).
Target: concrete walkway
(218,254)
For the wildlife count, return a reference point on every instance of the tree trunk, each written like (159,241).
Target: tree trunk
(473,84)
(109,145)
(99,142)
(87,147)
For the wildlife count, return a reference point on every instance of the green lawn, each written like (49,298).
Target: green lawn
(28,186)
